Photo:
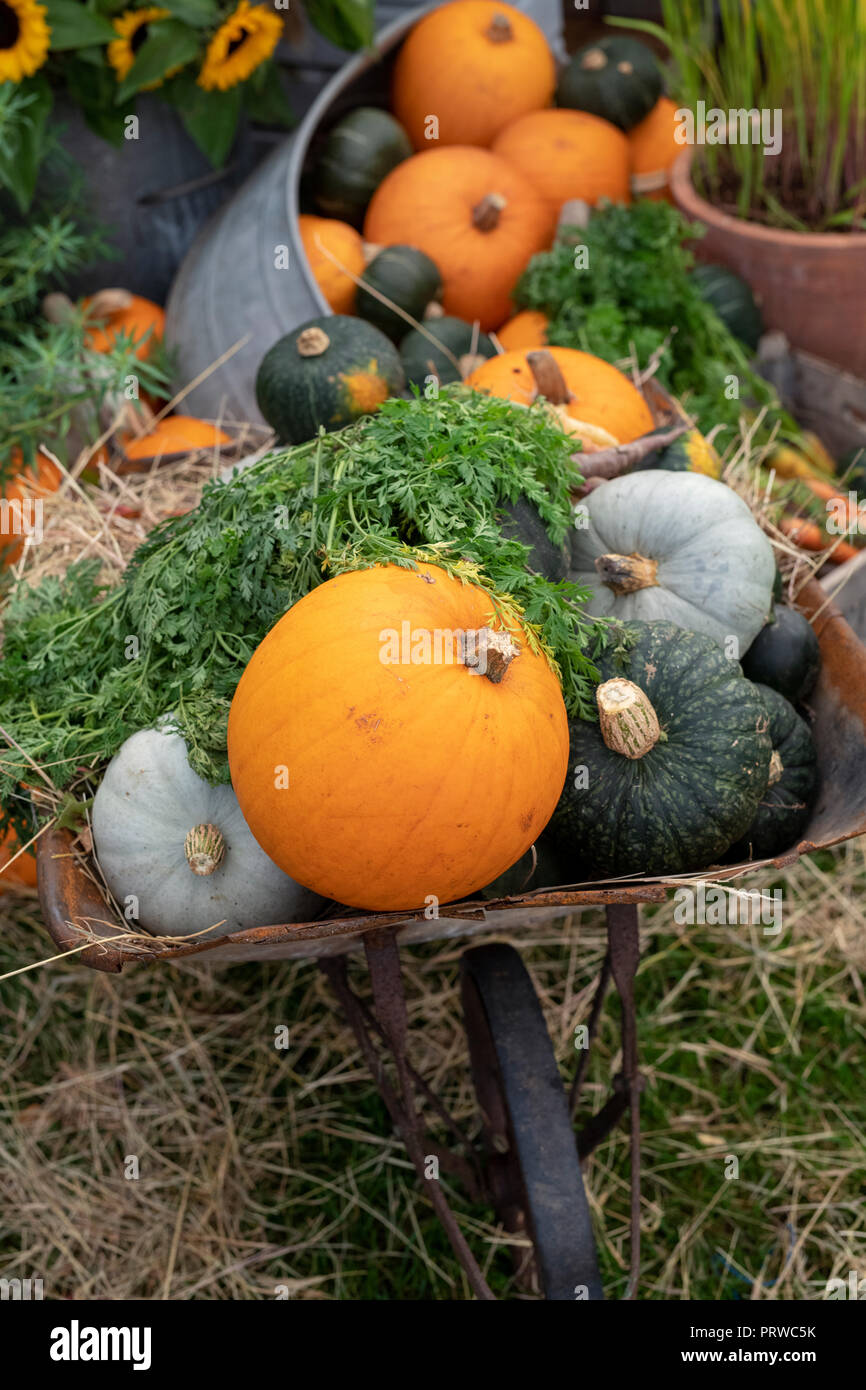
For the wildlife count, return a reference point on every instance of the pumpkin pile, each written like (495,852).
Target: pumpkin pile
(483,603)
(422,219)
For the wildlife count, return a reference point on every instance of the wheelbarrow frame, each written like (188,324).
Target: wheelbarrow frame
(79,914)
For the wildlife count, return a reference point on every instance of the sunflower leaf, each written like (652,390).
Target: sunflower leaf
(347,23)
(200,14)
(265,100)
(73,25)
(169,44)
(25,139)
(211,118)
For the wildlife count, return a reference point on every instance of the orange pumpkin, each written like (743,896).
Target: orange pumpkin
(372,764)
(473,65)
(33,483)
(477,218)
(593,399)
(322,238)
(528,329)
(117,312)
(21,874)
(652,151)
(172,437)
(568,154)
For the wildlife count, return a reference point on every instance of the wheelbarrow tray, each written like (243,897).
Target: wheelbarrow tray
(77,910)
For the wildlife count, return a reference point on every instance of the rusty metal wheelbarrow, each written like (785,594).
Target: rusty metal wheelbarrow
(528,1162)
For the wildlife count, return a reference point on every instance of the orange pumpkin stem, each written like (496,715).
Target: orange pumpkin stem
(625,574)
(549,381)
(499,29)
(107,302)
(489,653)
(486,214)
(312,342)
(204,848)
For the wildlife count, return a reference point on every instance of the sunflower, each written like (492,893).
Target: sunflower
(132,28)
(24,39)
(245,40)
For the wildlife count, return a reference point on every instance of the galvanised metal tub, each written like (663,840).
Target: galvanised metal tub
(228,290)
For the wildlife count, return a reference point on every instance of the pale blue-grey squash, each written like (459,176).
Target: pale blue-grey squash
(675,547)
(179,852)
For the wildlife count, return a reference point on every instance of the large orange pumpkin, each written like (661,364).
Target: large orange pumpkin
(372,764)
(528,329)
(323,235)
(26,486)
(21,874)
(595,401)
(115,312)
(474,65)
(568,154)
(652,151)
(477,218)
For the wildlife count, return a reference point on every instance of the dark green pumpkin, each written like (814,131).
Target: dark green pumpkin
(541,870)
(522,522)
(681,804)
(732,300)
(689,454)
(408,278)
(421,358)
(785,806)
(327,372)
(785,655)
(616,78)
(358,153)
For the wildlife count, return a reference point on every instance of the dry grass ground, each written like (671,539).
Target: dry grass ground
(260,1168)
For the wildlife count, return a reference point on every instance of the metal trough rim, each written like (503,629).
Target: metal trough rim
(74,909)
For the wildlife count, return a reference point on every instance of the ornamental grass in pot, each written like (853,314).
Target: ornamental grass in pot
(792,223)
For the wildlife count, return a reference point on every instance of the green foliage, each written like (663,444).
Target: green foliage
(419,480)
(636,299)
(24,135)
(807,60)
(48,380)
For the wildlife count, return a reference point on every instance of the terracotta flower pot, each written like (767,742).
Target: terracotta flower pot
(811,285)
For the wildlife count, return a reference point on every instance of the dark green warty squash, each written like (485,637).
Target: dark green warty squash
(522,522)
(785,806)
(785,655)
(358,153)
(540,869)
(616,78)
(408,278)
(327,372)
(675,768)
(732,300)
(421,358)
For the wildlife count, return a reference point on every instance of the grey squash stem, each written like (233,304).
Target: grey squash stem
(204,848)
(626,574)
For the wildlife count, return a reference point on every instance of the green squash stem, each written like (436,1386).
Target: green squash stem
(312,342)
(204,848)
(629,724)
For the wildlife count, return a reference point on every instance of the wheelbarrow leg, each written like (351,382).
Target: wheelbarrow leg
(624,948)
(389,999)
